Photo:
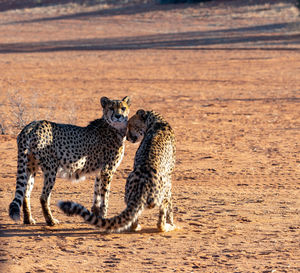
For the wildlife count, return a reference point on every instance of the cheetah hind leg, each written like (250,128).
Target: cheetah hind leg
(28,220)
(49,181)
(31,172)
(47,212)
(165,215)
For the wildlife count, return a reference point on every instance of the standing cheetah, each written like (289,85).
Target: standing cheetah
(149,184)
(71,152)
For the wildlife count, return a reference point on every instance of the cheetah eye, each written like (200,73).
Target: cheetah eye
(123,109)
(111,108)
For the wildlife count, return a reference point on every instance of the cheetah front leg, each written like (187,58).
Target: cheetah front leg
(97,198)
(101,193)
(49,181)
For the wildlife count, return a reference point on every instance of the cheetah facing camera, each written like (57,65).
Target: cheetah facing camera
(149,184)
(71,152)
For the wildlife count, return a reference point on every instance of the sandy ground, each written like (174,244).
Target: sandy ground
(225,74)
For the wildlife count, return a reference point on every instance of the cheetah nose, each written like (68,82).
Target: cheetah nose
(133,139)
(118,116)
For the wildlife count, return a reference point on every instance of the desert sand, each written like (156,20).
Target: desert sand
(225,74)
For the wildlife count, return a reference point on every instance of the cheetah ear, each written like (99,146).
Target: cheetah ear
(142,114)
(104,101)
(127,100)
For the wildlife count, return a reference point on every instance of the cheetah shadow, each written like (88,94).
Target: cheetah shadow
(41,230)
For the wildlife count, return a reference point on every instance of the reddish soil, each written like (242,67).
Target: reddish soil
(225,74)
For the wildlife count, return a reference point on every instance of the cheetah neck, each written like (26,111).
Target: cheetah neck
(155,122)
(121,130)
(118,129)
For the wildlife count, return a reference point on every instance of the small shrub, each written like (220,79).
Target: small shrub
(3,128)
(19,111)
(71,115)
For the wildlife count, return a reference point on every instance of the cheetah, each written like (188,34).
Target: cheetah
(149,184)
(70,152)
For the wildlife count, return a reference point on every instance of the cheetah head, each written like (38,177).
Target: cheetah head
(115,112)
(137,126)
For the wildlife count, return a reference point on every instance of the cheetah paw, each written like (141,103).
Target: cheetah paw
(136,228)
(166,228)
(52,222)
(29,221)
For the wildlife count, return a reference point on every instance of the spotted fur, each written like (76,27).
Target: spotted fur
(71,152)
(149,184)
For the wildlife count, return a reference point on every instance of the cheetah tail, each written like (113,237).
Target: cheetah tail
(115,224)
(21,184)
